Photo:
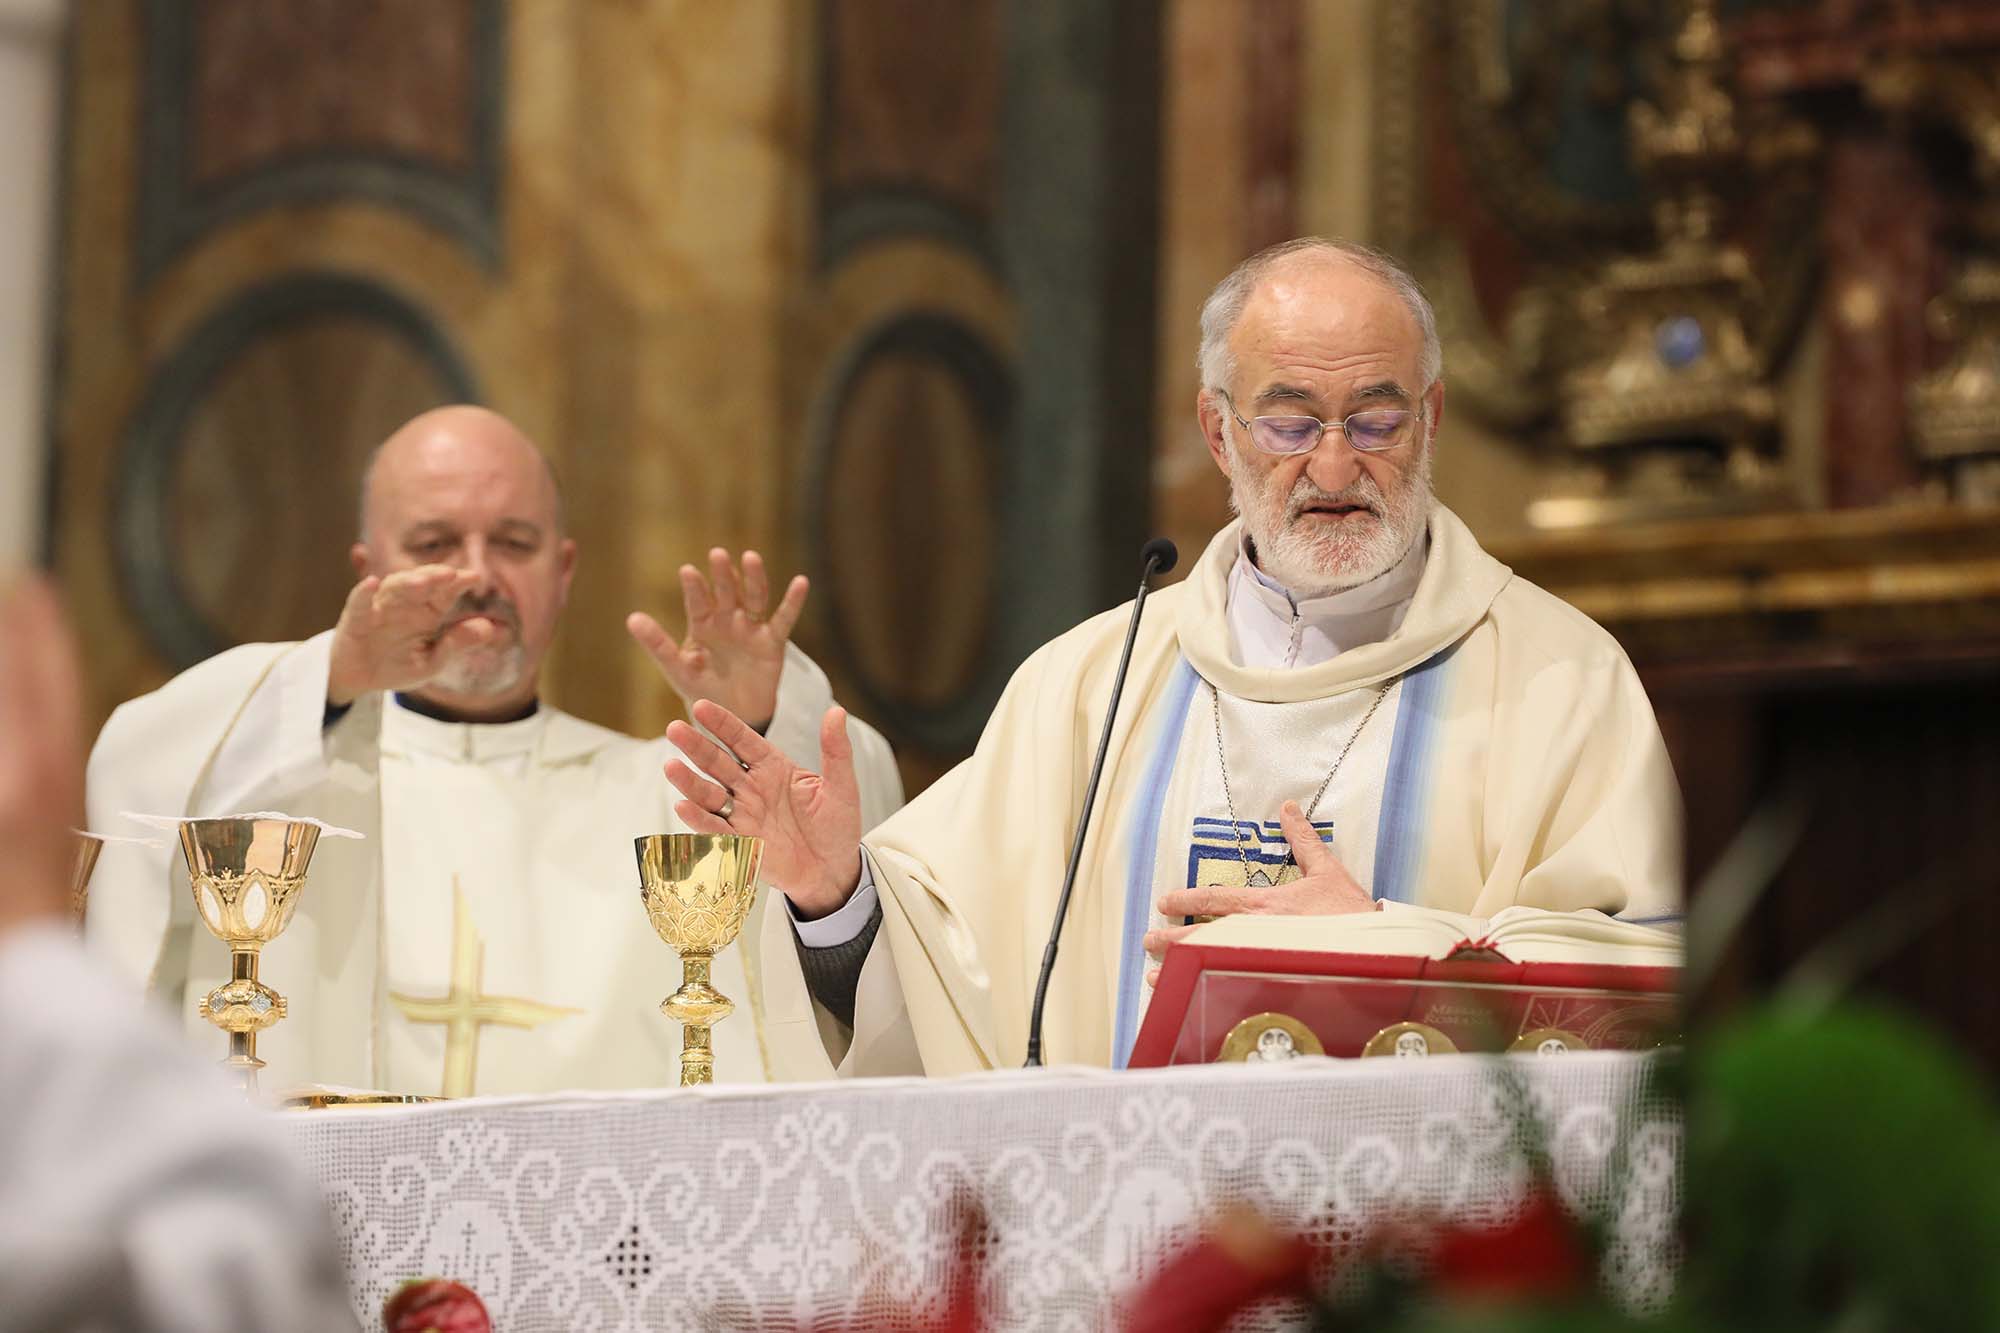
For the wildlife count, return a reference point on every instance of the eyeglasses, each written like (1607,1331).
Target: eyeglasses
(1375,431)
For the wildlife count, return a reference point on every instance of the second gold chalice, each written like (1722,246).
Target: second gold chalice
(246,875)
(698,889)
(88,846)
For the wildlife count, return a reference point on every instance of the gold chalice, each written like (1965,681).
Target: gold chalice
(698,888)
(88,846)
(247,875)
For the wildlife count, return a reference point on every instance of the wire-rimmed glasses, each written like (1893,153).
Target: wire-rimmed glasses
(1374,431)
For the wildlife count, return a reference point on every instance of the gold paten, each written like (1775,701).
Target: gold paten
(1409,1039)
(1269,1038)
(325,1101)
(464,1010)
(1548,1041)
(246,876)
(698,888)
(88,846)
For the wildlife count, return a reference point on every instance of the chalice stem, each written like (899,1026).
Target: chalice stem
(243,1063)
(697,1057)
(697,1052)
(697,1006)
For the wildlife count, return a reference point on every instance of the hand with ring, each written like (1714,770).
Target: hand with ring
(810,822)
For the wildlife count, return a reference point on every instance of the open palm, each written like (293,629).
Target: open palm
(732,651)
(810,822)
(387,637)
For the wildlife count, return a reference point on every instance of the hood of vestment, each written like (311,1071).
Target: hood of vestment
(1459,584)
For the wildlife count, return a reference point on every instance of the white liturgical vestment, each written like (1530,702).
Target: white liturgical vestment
(1463,741)
(486,935)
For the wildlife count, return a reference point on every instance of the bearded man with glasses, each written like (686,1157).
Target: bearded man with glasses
(1347,705)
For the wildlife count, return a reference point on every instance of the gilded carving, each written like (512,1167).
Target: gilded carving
(1666,402)
(1644,365)
(1954,411)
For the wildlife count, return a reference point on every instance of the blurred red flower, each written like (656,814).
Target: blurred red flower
(1539,1256)
(433,1305)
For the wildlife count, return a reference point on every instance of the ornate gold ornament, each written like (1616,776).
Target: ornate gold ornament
(1662,401)
(1409,1040)
(1639,348)
(697,888)
(1268,1038)
(246,876)
(1954,412)
(1547,1041)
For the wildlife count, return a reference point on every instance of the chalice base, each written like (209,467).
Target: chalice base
(242,1062)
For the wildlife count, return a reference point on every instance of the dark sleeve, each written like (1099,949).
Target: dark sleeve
(833,973)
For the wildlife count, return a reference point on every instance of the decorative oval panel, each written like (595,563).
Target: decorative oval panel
(905,522)
(240,488)
(249,105)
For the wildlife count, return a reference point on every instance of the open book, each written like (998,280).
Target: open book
(1516,935)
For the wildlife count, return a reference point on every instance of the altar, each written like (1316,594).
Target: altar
(829,1205)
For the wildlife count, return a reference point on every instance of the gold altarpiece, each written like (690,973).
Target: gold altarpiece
(1721,280)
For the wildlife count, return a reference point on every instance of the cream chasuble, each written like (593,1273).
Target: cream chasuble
(1511,757)
(486,936)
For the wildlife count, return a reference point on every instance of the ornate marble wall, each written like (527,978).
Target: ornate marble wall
(867,284)
(281,236)
(288,228)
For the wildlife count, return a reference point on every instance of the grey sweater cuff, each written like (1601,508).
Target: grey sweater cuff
(833,973)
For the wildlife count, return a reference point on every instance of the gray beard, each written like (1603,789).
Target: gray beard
(1315,568)
(484,674)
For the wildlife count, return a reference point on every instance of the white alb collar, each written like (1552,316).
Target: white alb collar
(467,742)
(1395,585)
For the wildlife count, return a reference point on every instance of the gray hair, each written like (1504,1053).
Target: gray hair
(1224,305)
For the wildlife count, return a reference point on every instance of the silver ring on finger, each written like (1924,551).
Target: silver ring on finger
(728,808)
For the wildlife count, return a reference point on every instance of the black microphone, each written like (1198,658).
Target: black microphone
(1158,556)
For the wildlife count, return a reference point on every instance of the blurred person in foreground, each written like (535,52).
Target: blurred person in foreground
(1346,704)
(497,854)
(137,1190)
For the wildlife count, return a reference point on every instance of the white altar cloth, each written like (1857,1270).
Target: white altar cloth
(791,1206)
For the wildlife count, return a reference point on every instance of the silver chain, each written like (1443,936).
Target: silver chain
(1235,828)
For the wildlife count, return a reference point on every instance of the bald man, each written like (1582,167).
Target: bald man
(485,935)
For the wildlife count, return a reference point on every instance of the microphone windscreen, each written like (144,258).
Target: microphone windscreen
(1161,554)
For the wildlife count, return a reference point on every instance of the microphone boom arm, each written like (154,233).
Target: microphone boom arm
(1159,555)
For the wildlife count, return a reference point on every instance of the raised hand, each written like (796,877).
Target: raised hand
(810,822)
(41,755)
(391,634)
(1323,888)
(733,652)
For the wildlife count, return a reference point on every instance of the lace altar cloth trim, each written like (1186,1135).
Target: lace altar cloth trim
(802,1205)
